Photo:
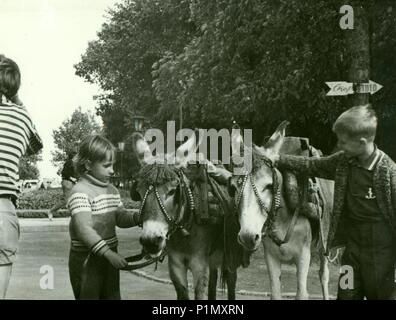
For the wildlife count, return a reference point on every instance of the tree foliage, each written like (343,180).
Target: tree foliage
(138,34)
(28,167)
(71,132)
(255,61)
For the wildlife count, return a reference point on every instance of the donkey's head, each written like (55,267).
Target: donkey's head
(161,187)
(255,191)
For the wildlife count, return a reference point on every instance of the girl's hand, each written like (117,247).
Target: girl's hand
(116,260)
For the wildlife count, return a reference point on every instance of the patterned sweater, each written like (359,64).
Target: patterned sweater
(96,209)
(336,167)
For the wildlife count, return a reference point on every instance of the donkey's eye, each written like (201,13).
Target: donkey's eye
(267,187)
(171,192)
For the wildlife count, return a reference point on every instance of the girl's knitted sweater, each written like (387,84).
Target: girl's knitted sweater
(96,209)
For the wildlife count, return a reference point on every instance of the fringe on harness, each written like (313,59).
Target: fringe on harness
(157,174)
(233,253)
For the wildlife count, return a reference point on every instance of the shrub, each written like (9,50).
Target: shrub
(46,199)
(40,199)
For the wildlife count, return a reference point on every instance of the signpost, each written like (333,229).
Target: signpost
(343,88)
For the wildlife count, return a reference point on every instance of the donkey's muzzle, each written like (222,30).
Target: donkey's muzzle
(152,245)
(250,242)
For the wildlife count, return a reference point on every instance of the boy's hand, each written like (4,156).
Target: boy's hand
(116,260)
(274,157)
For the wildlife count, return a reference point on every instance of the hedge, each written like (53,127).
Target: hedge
(35,203)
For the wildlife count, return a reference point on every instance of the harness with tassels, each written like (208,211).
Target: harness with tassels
(268,228)
(176,223)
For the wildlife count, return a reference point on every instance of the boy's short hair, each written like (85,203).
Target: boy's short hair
(92,149)
(10,77)
(357,122)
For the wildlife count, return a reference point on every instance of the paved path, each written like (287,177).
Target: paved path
(46,243)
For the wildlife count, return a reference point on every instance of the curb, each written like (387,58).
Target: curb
(44,224)
(292,295)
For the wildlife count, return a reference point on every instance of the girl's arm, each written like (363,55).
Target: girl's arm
(126,218)
(82,224)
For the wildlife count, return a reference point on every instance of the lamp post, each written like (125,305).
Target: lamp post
(139,123)
(121,147)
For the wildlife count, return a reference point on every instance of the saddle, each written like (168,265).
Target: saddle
(212,202)
(301,189)
(214,206)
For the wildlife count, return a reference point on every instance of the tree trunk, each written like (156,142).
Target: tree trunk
(358,45)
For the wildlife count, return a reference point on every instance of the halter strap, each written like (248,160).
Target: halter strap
(275,205)
(175,223)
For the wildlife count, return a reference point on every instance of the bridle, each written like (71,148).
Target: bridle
(268,228)
(175,223)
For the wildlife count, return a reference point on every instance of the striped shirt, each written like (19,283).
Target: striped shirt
(96,210)
(18,137)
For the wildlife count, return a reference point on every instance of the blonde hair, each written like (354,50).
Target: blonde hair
(357,122)
(92,149)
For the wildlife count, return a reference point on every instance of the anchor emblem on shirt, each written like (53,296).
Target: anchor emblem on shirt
(370,195)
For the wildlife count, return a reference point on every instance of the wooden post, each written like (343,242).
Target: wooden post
(358,45)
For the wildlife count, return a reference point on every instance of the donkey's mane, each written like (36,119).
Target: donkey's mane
(258,159)
(157,174)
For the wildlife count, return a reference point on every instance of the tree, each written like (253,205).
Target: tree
(138,34)
(28,167)
(71,132)
(255,61)
(247,64)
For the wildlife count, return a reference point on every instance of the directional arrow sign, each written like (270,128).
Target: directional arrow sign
(370,87)
(343,88)
(340,88)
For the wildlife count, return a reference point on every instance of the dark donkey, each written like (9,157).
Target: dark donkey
(170,218)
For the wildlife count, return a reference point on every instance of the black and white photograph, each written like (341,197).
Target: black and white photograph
(228,150)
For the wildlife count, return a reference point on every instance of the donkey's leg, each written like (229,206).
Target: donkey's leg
(178,275)
(212,283)
(324,274)
(274,271)
(302,264)
(231,283)
(199,268)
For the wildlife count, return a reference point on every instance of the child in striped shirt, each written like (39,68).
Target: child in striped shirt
(96,209)
(18,137)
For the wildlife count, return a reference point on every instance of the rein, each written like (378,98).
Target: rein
(139,257)
(268,228)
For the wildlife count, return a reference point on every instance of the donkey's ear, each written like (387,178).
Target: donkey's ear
(141,148)
(275,142)
(236,141)
(187,151)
